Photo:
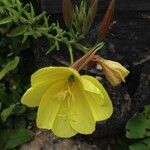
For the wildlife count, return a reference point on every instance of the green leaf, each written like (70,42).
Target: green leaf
(7,112)
(18,31)
(51,49)
(28,15)
(142,145)
(90,17)
(3,138)
(25,37)
(39,17)
(0,105)
(19,122)
(17,137)
(139,125)
(6,3)
(9,67)
(19,5)
(20,109)
(6,20)
(32,10)
(46,21)
(147,110)
(31,115)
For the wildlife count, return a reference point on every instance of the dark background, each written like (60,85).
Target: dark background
(54,6)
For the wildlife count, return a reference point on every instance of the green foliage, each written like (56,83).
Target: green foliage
(15,137)
(10,66)
(83,17)
(18,20)
(141,145)
(138,128)
(14,116)
(7,112)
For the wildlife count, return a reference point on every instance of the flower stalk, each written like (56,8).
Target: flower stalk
(84,60)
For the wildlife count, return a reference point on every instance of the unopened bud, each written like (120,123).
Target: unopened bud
(114,71)
(68,11)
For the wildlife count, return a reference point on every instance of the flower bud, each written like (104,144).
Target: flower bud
(114,71)
(67,12)
(107,20)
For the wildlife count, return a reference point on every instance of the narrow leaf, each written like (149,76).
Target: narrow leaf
(7,112)
(6,3)
(9,67)
(51,49)
(17,31)
(19,5)
(32,10)
(90,16)
(6,20)
(24,38)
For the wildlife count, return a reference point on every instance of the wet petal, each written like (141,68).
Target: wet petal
(81,118)
(89,86)
(61,126)
(100,111)
(33,95)
(51,74)
(49,106)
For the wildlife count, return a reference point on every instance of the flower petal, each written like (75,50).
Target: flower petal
(61,126)
(33,95)
(111,77)
(89,86)
(49,106)
(81,118)
(100,111)
(51,74)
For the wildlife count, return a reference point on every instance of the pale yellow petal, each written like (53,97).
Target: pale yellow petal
(49,106)
(88,85)
(33,95)
(51,74)
(61,126)
(100,111)
(111,77)
(118,67)
(114,71)
(81,118)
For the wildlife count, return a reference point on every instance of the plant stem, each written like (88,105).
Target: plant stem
(71,54)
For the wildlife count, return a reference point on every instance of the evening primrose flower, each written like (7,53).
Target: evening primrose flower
(68,103)
(114,71)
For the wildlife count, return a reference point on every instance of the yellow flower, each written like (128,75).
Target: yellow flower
(114,71)
(68,102)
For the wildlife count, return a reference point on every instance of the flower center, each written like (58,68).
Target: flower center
(66,91)
(71,79)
